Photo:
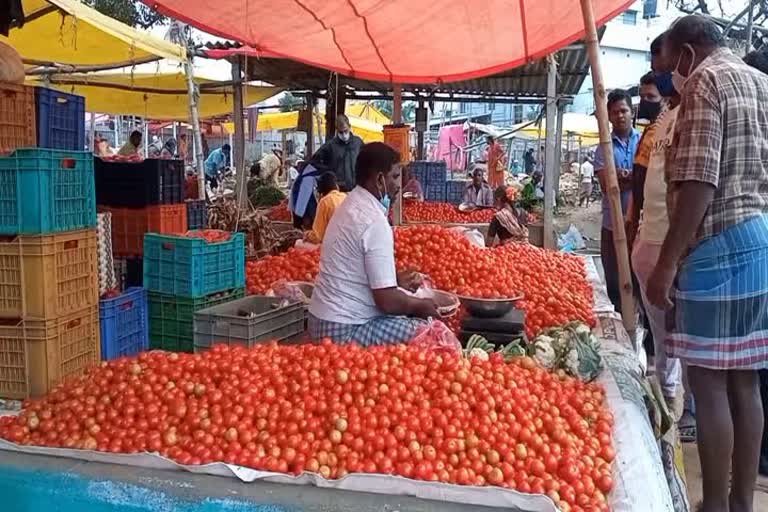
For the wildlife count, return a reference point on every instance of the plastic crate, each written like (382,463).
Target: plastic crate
(454,190)
(17,117)
(46,191)
(429,173)
(129,272)
(435,193)
(124,323)
(60,119)
(192,267)
(129,225)
(139,184)
(171,318)
(36,355)
(248,321)
(197,214)
(48,275)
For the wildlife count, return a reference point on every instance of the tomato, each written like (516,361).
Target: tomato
(415,211)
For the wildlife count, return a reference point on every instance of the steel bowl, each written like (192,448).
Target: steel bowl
(467,207)
(488,308)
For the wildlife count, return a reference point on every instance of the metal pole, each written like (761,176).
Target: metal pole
(397,104)
(611,181)
(420,136)
(93,132)
(238,148)
(559,149)
(549,158)
(750,23)
(146,138)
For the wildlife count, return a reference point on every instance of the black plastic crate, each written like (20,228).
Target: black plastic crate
(197,214)
(134,272)
(139,184)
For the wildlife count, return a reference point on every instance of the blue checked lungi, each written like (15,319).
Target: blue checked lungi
(382,330)
(721,301)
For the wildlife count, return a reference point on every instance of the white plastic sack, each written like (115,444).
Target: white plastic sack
(474,236)
(305,246)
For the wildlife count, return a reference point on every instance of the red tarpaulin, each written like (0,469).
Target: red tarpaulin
(401,41)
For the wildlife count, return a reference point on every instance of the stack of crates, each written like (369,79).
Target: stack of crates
(184,275)
(454,190)
(197,214)
(142,197)
(432,176)
(49,319)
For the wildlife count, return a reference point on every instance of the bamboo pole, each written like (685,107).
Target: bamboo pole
(238,147)
(549,159)
(611,181)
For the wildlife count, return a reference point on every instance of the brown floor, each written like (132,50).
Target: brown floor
(693,474)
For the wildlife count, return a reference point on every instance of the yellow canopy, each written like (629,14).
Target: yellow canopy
(367,111)
(71,33)
(155,96)
(573,123)
(367,130)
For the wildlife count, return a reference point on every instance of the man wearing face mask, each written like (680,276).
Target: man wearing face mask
(711,271)
(625,140)
(339,153)
(356,295)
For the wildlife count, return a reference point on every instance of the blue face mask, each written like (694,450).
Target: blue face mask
(664,84)
(385,200)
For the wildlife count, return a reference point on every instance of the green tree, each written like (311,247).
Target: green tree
(288,102)
(386,108)
(130,12)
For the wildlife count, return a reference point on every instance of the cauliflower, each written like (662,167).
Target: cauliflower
(583,329)
(544,352)
(479,353)
(572,362)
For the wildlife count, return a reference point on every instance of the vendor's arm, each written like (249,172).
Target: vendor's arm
(378,246)
(493,231)
(600,168)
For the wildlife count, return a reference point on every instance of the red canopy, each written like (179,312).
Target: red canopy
(401,41)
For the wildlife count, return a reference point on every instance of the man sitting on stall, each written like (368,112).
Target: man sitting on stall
(132,145)
(356,295)
(330,199)
(412,185)
(478,193)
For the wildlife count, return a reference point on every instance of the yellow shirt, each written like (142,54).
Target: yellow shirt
(325,209)
(128,149)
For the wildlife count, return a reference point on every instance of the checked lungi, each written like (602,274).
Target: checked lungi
(382,330)
(721,301)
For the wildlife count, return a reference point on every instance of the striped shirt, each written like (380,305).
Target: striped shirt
(721,138)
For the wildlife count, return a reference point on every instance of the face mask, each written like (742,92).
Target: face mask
(345,136)
(678,80)
(385,200)
(648,110)
(664,84)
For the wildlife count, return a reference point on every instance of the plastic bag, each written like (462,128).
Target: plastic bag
(305,246)
(291,292)
(571,240)
(436,336)
(474,236)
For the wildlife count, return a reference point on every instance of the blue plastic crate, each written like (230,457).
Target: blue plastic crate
(46,191)
(60,119)
(124,323)
(192,267)
(197,214)
(454,190)
(437,172)
(435,193)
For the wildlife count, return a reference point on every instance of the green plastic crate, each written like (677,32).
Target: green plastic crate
(171,318)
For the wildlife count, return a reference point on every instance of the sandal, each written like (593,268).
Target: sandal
(687,433)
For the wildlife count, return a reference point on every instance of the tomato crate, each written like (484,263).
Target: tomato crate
(17,117)
(139,184)
(124,323)
(192,267)
(197,214)
(129,225)
(37,354)
(171,318)
(46,276)
(60,119)
(248,321)
(46,191)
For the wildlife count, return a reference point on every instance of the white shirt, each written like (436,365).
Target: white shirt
(655,219)
(587,172)
(357,256)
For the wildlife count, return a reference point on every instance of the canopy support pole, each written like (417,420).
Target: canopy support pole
(397,104)
(238,142)
(93,132)
(611,181)
(310,129)
(420,133)
(559,148)
(549,159)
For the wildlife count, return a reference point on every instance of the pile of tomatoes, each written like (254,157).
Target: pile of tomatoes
(553,285)
(211,236)
(414,211)
(280,213)
(335,410)
(292,265)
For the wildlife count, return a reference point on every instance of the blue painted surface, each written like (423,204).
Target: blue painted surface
(23,490)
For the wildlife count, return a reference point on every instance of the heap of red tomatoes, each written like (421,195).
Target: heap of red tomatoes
(335,410)
(292,265)
(414,211)
(553,284)
(211,236)
(280,212)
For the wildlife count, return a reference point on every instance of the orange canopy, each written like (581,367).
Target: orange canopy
(401,41)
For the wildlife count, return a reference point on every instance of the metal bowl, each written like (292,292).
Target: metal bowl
(488,308)
(467,207)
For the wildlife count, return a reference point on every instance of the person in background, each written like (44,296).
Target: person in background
(215,163)
(478,193)
(330,198)
(155,148)
(529,161)
(339,153)
(510,222)
(101,147)
(169,149)
(586,181)
(759,61)
(625,140)
(516,168)
(412,185)
(357,295)
(293,171)
(497,165)
(301,201)
(711,271)
(132,145)
(183,147)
